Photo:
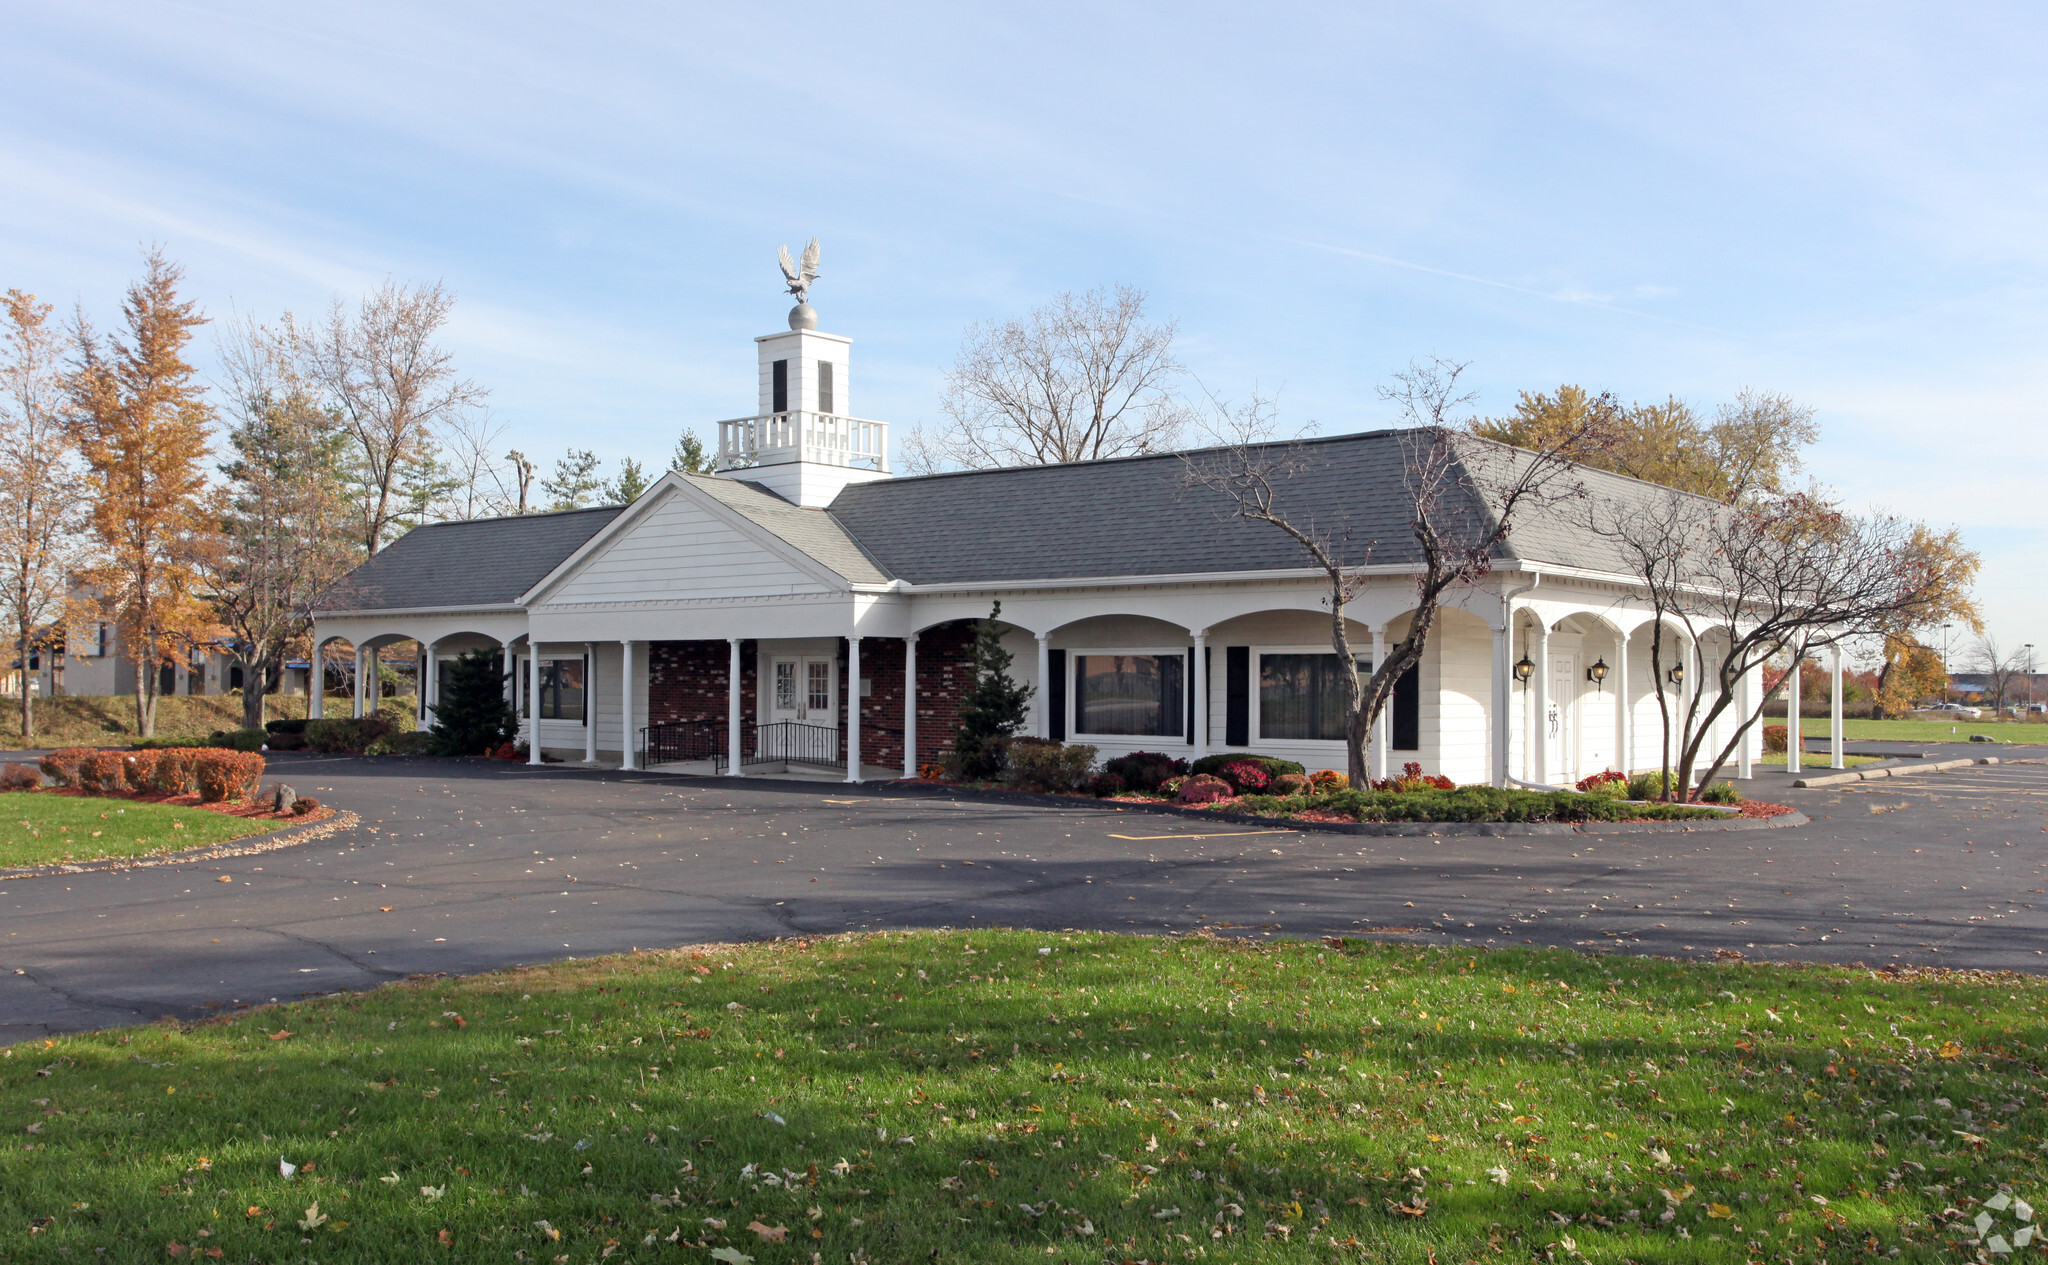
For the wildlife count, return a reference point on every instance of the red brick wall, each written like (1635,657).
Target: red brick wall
(687,682)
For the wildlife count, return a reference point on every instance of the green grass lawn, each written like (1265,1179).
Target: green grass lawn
(1816,759)
(1924,730)
(1018,1097)
(38,828)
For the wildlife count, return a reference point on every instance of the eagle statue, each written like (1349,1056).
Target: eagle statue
(800,275)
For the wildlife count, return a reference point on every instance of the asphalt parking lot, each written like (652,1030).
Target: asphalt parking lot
(464,866)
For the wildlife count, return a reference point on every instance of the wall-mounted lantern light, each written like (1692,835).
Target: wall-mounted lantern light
(1524,670)
(1677,675)
(1597,674)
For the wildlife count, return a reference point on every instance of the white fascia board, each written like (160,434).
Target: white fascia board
(398,611)
(675,484)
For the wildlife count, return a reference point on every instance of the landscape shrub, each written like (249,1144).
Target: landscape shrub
(1611,784)
(238,739)
(20,777)
(100,773)
(288,726)
(1273,765)
(992,707)
(472,715)
(1414,779)
(226,775)
(1648,785)
(1105,784)
(139,767)
(1292,784)
(1721,793)
(287,740)
(403,718)
(1776,739)
(1487,804)
(168,744)
(418,742)
(1042,764)
(61,765)
(305,804)
(1204,788)
(1244,775)
(345,735)
(1144,771)
(1326,780)
(171,772)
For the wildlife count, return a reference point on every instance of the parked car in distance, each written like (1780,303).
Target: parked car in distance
(1957,709)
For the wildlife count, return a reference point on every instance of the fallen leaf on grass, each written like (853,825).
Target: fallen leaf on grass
(769,1233)
(445,1238)
(731,1255)
(285,1167)
(433,1192)
(391,1179)
(314,1218)
(279,1035)
(1720,1212)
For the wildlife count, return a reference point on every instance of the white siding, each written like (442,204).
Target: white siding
(680,549)
(1456,698)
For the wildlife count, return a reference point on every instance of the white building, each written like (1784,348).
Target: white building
(716,622)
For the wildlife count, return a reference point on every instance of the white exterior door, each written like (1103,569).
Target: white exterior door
(804,688)
(1560,727)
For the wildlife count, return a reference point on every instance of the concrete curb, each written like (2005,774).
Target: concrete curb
(1874,774)
(1460,829)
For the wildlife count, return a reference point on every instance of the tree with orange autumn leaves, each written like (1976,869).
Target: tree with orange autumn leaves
(142,424)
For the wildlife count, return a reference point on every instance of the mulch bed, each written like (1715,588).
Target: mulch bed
(248,811)
(1757,808)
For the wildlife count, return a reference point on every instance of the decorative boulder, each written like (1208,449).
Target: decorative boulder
(285,801)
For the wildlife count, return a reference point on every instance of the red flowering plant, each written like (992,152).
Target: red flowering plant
(1414,779)
(1245,776)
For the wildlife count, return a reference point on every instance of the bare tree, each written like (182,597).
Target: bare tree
(1464,497)
(286,531)
(42,502)
(1080,379)
(522,479)
(1999,667)
(1754,583)
(470,441)
(393,387)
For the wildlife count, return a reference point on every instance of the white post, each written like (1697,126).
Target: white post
(1624,708)
(316,683)
(589,703)
(1200,671)
(359,684)
(626,705)
(1792,743)
(1539,747)
(533,701)
(1376,741)
(1498,695)
(1041,705)
(425,677)
(910,705)
(853,707)
(1837,732)
(733,751)
(1744,762)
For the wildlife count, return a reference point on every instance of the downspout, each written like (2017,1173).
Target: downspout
(1504,667)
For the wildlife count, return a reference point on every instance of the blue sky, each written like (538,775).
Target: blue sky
(1843,202)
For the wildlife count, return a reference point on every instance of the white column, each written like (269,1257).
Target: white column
(853,707)
(1837,732)
(1200,671)
(533,701)
(316,684)
(1498,695)
(426,682)
(1745,767)
(733,751)
(626,705)
(1376,742)
(358,713)
(1624,711)
(589,703)
(910,705)
(1792,743)
(1539,746)
(1041,702)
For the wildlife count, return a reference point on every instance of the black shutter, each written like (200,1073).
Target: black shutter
(1187,690)
(1237,696)
(1408,712)
(824,386)
(1056,695)
(588,669)
(779,373)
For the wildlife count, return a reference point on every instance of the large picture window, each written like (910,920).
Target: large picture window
(561,689)
(1136,694)
(1301,696)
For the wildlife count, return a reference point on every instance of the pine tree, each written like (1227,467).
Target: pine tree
(993,708)
(574,483)
(690,456)
(473,714)
(626,489)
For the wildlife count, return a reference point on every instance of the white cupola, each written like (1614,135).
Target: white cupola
(804,443)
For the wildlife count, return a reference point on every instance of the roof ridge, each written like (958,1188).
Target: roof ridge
(1130,458)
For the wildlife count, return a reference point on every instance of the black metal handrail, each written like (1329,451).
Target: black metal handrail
(793,740)
(683,740)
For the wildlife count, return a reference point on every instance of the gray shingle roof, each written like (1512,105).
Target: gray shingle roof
(483,562)
(1137,516)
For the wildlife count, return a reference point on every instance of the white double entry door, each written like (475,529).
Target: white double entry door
(801,709)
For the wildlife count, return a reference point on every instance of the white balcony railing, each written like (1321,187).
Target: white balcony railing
(799,435)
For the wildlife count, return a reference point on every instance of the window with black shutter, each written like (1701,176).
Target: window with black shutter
(825,386)
(1407,726)
(1056,695)
(1237,696)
